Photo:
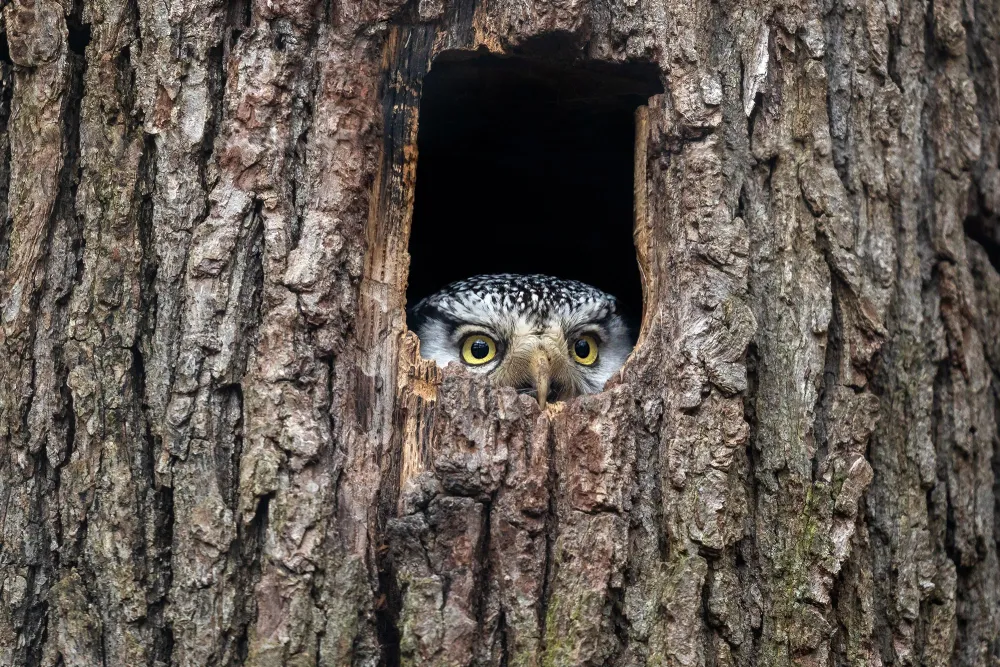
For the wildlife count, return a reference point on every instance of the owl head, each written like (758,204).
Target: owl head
(544,336)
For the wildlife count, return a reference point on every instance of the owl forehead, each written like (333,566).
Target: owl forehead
(533,299)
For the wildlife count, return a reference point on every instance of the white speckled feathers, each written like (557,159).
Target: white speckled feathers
(521,312)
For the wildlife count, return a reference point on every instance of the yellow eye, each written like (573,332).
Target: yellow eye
(478,349)
(584,350)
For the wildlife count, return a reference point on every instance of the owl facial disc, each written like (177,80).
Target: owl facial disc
(548,337)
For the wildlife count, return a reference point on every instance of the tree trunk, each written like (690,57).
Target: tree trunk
(219,446)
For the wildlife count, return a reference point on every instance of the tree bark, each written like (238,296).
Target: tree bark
(219,445)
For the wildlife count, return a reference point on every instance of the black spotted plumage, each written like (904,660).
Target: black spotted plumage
(533,294)
(536,323)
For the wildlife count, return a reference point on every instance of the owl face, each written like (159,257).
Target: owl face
(548,337)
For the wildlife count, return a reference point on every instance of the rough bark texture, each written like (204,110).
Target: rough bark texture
(218,446)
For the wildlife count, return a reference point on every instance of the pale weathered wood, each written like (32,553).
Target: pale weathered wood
(219,445)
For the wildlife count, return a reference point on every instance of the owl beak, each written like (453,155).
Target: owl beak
(541,371)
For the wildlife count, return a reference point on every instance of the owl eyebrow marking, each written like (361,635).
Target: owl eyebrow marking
(590,328)
(469,328)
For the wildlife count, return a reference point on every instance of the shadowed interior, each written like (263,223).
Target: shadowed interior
(526,166)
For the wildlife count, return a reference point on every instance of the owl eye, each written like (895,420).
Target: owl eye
(478,349)
(584,350)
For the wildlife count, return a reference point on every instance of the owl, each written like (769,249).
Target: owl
(547,337)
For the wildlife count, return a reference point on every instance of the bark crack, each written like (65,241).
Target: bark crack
(551,530)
